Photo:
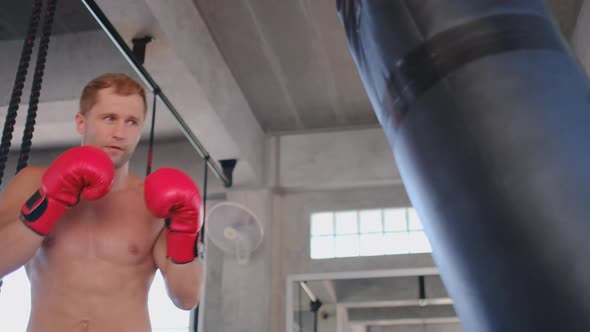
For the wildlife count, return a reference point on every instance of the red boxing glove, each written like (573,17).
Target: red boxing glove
(84,170)
(172,195)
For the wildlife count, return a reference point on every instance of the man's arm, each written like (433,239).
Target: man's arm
(18,243)
(171,194)
(36,199)
(183,281)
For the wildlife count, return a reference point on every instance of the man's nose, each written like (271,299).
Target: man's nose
(119,130)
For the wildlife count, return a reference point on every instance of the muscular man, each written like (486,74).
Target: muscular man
(91,233)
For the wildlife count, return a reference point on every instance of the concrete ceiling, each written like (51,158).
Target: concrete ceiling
(70,16)
(291,59)
(292,62)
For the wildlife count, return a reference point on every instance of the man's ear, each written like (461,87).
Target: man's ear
(80,123)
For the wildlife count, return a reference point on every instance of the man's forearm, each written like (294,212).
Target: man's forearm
(184,283)
(18,245)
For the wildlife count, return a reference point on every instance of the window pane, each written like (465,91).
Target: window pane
(395,243)
(322,223)
(346,246)
(367,233)
(419,242)
(414,220)
(371,244)
(371,221)
(395,220)
(346,222)
(322,247)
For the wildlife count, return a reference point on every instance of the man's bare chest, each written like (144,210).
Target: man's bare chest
(117,229)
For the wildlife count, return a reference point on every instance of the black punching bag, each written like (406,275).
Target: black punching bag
(488,117)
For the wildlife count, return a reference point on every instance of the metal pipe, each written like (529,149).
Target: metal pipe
(308,291)
(110,30)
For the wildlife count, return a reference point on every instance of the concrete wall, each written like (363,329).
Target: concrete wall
(292,237)
(328,323)
(335,160)
(304,173)
(237,297)
(326,172)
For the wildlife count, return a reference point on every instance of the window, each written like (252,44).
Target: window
(15,305)
(372,232)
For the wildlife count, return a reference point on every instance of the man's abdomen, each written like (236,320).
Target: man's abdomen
(89,289)
(88,301)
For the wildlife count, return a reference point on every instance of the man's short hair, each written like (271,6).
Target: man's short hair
(121,84)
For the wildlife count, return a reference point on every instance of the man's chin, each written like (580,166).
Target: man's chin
(119,161)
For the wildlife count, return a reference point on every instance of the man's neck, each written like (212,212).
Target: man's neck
(121,177)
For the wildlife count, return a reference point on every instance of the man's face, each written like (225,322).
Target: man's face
(113,124)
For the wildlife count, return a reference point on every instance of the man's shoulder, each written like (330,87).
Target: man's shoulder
(30,174)
(33,170)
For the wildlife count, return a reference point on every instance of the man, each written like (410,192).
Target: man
(91,233)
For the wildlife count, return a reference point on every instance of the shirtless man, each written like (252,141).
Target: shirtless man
(91,233)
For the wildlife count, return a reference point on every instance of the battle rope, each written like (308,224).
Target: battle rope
(19,83)
(36,86)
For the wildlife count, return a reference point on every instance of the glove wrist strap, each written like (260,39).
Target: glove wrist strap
(40,213)
(181,246)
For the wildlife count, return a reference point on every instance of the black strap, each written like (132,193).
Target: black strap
(451,49)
